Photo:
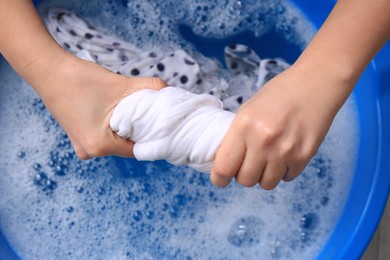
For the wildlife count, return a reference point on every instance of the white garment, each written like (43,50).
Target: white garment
(173,124)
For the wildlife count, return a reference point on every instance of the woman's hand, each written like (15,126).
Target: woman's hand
(81,95)
(276,132)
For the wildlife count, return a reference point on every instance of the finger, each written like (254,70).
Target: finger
(159,83)
(228,159)
(251,169)
(293,172)
(288,176)
(272,175)
(119,146)
(139,83)
(80,152)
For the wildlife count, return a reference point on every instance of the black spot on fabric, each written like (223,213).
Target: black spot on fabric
(96,57)
(271,65)
(58,29)
(73,33)
(188,62)
(239,100)
(199,81)
(67,46)
(160,67)
(118,73)
(151,66)
(91,28)
(172,54)
(211,93)
(175,74)
(123,57)
(79,46)
(109,49)
(88,36)
(152,55)
(183,79)
(135,72)
(233,46)
(59,16)
(234,65)
(116,44)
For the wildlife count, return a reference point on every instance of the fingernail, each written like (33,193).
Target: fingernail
(288,179)
(219,181)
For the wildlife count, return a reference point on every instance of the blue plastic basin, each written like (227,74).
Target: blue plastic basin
(371,181)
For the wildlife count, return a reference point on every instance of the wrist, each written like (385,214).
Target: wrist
(331,70)
(330,76)
(320,92)
(39,70)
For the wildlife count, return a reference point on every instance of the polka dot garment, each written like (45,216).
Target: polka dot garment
(177,68)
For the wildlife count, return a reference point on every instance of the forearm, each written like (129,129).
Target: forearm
(25,42)
(351,36)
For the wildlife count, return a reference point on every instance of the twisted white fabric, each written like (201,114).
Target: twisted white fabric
(173,124)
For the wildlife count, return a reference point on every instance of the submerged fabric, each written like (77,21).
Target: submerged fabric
(172,124)
(244,75)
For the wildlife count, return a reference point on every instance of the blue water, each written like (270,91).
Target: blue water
(54,206)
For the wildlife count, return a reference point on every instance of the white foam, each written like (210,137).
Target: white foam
(151,24)
(114,208)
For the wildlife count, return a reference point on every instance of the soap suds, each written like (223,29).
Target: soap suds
(122,209)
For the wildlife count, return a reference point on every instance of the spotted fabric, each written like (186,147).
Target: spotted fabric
(177,68)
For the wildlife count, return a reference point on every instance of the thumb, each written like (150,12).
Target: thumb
(138,83)
(119,146)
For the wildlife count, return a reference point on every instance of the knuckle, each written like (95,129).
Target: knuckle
(223,172)
(287,147)
(270,132)
(306,154)
(93,149)
(82,155)
(312,151)
(244,121)
(267,131)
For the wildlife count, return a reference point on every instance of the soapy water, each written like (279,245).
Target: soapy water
(54,206)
